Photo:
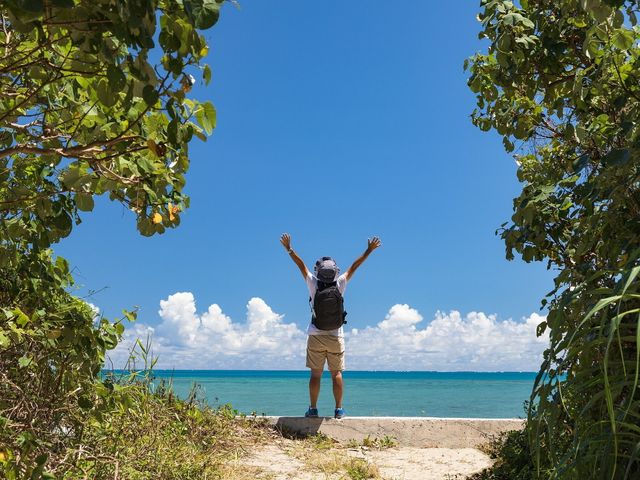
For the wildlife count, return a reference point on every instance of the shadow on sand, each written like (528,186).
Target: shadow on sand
(296,427)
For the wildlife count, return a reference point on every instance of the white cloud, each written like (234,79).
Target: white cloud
(450,342)
(185,339)
(188,340)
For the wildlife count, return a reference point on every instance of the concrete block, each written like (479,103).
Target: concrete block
(422,432)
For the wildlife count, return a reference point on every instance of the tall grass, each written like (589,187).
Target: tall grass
(585,414)
(137,428)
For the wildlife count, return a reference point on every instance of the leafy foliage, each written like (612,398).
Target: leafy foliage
(560,83)
(163,437)
(86,111)
(50,354)
(135,427)
(512,455)
(139,429)
(94,102)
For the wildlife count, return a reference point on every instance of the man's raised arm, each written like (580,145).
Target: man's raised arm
(372,244)
(285,240)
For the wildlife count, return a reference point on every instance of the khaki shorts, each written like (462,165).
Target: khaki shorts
(329,347)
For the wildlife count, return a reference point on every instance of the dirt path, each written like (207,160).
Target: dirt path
(320,458)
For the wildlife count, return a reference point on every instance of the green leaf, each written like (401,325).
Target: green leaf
(175,65)
(172,131)
(85,403)
(145,227)
(53,334)
(618,156)
(150,95)
(623,39)
(528,254)
(203,13)
(566,204)
(21,318)
(116,78)
(6,138)
(29,5)
(71,176)
(63,222)
(509,19)
(542,326)
(24,361)
(206,116)
(206,74)
(84,202)
(581,132)
(168,41)
(146,165)
(527,23)
(186,38)
(618,19)
(104,93)
(43,207)
(28,10)
(198,133)
(601,12)
(503,60)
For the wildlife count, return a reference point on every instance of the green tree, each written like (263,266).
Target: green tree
(560,83)
(93,101)
(89,107)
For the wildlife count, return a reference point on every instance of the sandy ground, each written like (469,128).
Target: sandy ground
(286,459)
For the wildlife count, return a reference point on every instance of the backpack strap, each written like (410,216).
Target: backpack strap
(313,312)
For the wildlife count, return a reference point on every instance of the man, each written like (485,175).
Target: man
(324,342)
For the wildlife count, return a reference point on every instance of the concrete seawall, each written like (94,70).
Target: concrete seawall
(423,432)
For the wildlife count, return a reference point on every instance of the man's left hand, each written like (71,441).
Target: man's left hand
(285,240)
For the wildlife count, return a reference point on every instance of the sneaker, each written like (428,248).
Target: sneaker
(311,413)
(339,413)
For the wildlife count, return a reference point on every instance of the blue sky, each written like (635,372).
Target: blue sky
(336,122)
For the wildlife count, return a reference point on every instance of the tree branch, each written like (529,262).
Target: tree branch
(73,152)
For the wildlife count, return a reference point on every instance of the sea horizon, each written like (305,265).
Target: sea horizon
(423,393)
(307,370)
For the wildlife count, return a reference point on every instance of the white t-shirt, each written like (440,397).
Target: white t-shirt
(312,285)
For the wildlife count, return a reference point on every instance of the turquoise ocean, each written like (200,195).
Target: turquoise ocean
(383,393)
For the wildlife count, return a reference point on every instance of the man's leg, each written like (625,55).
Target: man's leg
(314,387)
(336,377)
(315,362)
(335,359)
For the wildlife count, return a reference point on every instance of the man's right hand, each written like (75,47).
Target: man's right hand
(373,243)
(285,240)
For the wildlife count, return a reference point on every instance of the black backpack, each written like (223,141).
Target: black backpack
(328,307)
